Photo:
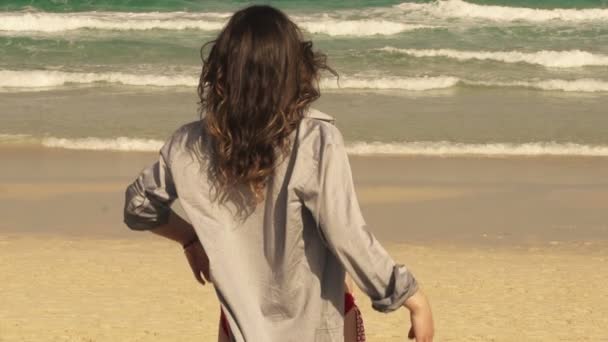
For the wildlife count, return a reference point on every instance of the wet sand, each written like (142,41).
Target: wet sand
(507,249)
(461,201)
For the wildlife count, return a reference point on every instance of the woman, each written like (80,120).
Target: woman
(266,183)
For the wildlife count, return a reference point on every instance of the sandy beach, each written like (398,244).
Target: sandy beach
(477,132)
(58,288)
(506,249)
(464,201)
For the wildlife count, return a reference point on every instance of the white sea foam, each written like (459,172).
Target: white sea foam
(403,83)
(16,139)
(57,22)
(582,85)
(43,79)
(6,136)
(423,148)
(553,59)
(334,24)
(463,9)
(28,80)
(89,143)
(365,27)
(459,149)
(585,85)
(112,144)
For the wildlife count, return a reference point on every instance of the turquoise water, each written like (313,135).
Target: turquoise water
(434,71)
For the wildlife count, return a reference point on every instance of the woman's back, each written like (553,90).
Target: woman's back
(261,263)
(267,186)
(279,270)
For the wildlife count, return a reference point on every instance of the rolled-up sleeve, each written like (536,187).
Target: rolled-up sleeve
(330,195)
(148,199)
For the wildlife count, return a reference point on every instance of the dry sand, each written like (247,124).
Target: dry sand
(78,289)
(507,249)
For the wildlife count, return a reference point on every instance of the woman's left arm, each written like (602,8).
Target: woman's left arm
(148,199)
(176,229)
(181,231)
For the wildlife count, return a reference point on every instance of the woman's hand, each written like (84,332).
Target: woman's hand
(421,317)
(198,260)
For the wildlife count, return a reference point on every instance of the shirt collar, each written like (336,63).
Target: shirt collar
(317,114)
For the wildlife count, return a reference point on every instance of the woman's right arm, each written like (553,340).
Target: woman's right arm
(330,196)
(421,317)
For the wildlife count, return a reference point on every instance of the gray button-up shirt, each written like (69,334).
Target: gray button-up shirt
(279,271)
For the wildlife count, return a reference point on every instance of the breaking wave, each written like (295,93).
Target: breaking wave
(552,59)
(45,79)
(463,9)
(403,83)
(28,80)
(59,22)
(386,22)
(364,27)
(585,85)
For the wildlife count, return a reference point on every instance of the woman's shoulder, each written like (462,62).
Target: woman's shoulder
(318,133)
(191,127)
(187,137)
(316,114)
(320,127)
(187,132)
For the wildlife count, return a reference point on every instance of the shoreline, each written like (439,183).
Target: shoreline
(356,149)
(13,149)
(461,201)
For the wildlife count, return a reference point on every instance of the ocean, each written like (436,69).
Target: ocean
(492,78)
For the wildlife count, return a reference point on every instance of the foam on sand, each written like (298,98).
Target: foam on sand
(416,148)
(100,144)
(459,149)
(89,143)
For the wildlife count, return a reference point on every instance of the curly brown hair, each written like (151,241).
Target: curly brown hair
(259,78)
